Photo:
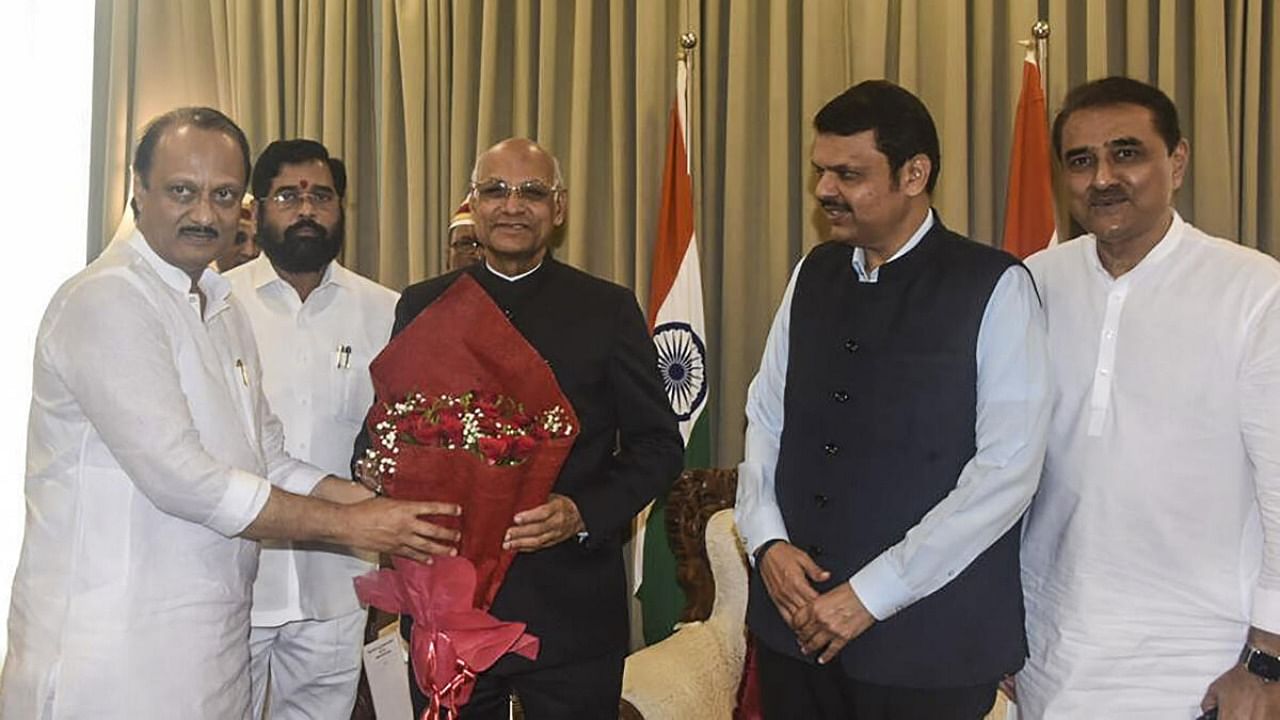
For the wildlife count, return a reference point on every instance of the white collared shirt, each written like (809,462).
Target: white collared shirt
(1144,560)
(992,490)
(147,451)
(315,373)
(860,255)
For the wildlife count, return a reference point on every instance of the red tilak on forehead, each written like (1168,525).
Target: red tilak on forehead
(303,184)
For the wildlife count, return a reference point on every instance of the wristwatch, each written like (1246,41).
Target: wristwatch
(1259,663)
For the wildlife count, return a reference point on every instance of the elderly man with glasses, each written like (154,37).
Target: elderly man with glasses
(567,581)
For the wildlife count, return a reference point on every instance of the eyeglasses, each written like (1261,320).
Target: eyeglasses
(290,199)
(493,191)
(467,246)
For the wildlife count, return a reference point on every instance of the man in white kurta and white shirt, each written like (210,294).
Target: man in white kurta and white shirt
(154,462)
(317,325)
(1152,551)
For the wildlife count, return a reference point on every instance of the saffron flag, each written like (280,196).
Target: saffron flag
(676,319)
(1029,214)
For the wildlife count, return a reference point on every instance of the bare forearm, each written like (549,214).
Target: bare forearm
(287,516)
(337,515)
(341,491)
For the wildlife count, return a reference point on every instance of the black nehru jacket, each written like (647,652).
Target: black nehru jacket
(880,406)
(573,595)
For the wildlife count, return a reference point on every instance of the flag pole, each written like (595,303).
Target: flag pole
(688,41)
(1040,31)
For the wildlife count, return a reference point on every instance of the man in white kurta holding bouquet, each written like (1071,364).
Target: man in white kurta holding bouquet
(1151,559)
(154,463)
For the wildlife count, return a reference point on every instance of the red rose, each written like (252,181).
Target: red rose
(450,429)
(488,424)
(420,428)
(522,447)
(494,449)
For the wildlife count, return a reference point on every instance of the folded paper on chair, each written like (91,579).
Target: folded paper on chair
(466,412)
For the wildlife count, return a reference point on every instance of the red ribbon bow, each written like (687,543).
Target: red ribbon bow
(452,641)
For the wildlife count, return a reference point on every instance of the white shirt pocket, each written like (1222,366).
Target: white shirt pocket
(352,390)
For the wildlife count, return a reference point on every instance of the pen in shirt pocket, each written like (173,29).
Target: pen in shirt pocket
(244,374)
(344,357)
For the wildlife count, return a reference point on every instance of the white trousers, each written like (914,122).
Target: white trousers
(312,667)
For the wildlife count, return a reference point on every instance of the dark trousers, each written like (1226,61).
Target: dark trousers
(791,689)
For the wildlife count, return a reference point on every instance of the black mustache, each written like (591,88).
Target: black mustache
(305,223)
(834,205)
(1107,195)
(199,230)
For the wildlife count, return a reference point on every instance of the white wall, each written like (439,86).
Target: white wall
(46,73)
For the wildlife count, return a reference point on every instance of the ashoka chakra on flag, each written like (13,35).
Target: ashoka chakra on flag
(682,360)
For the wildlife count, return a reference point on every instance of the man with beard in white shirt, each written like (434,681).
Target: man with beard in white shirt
(318,325)
(1151,559)
(154,463)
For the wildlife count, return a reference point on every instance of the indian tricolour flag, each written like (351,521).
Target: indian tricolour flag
(675,316)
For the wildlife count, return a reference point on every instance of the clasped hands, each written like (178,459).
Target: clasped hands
(823,622)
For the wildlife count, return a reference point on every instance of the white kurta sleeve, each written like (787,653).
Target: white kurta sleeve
(1259,392)
(111,349)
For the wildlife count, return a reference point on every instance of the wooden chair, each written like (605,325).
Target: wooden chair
(695,672)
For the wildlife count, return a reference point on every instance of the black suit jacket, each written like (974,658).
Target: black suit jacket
(573,595)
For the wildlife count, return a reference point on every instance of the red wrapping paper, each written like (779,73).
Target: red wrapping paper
(452,641)
(462,342)
(490,496)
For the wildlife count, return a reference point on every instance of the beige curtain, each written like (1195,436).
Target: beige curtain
(279,69)
(589,80)
(768,66)
(1216,60)
(409,90)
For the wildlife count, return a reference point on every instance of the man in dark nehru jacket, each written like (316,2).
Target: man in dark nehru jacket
(896,430)
(567,582)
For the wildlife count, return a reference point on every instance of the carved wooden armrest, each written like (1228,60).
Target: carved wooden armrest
(694,497)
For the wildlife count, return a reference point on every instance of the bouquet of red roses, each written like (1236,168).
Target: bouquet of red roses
(450,424)
(465,449)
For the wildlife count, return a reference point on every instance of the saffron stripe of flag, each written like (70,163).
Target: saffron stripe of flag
(1029,214)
